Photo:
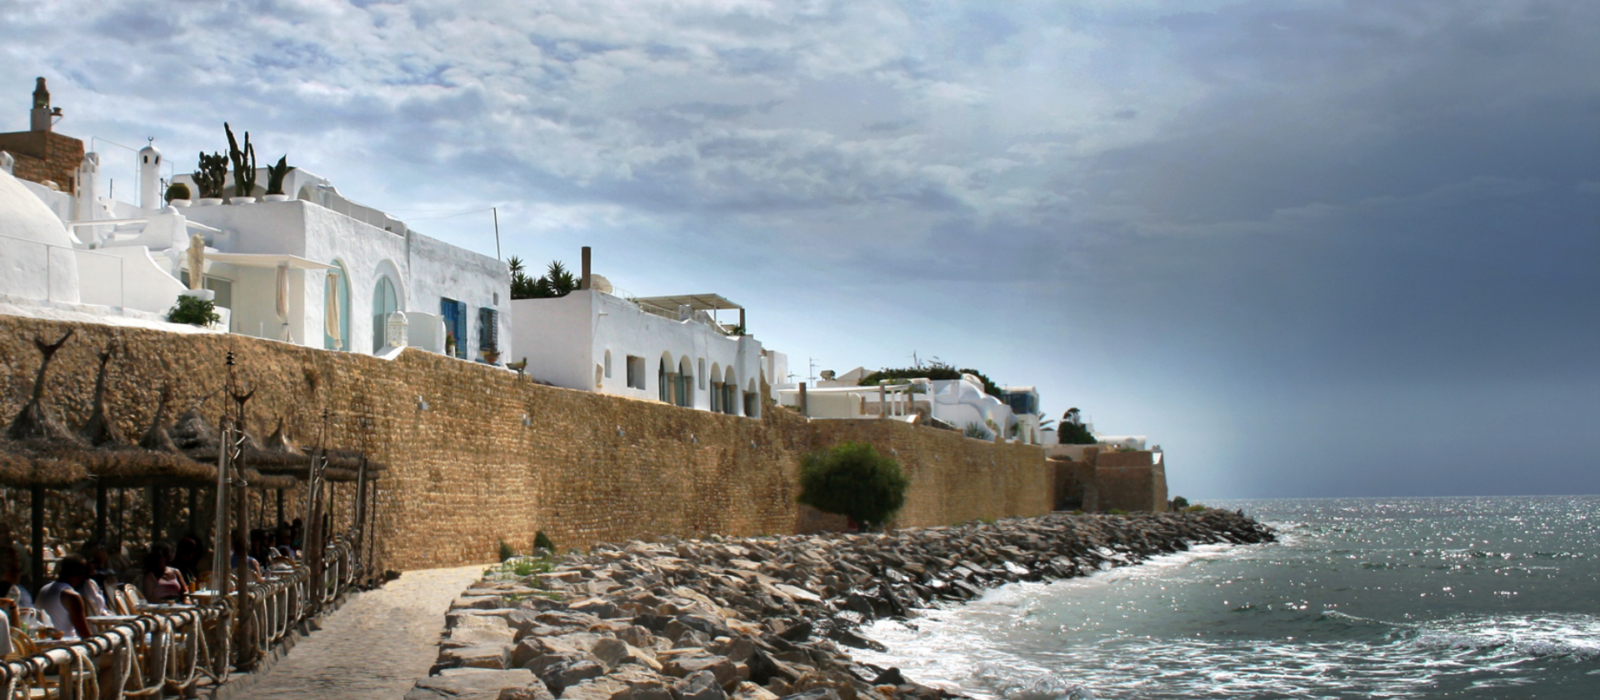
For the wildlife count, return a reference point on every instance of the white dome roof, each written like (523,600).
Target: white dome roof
(23,215)
(34,271)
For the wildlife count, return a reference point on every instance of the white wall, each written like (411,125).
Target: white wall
(566,339)
(127,276)
(427,269)
(554,334)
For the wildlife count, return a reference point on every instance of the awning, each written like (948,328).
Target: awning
(697,302)
(267,260)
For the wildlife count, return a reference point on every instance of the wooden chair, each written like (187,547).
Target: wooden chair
(35,684)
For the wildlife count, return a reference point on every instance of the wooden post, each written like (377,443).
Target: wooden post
(194,510)
(219,531)
(36,561)
(587,281)
(803,408)
(742,330)
(100,515)
(158,508)
(244,648)
(361,508)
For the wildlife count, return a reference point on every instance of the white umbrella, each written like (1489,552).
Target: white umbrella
(332,306)
(197,261)
(283,292)
(283,299)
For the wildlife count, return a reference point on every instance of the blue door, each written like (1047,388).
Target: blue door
(455,324)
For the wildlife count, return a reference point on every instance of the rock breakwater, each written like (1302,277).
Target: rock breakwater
(763,618)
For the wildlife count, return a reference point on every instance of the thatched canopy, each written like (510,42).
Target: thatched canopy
(39,463)
(351,459)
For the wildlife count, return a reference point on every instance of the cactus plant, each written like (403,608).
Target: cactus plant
(275,175)
(212,174)
(244,164)
(177,190)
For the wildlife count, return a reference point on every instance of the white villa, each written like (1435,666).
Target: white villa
(674,349)
(310,268)
(957,403)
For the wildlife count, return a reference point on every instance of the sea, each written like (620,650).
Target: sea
(1359,598)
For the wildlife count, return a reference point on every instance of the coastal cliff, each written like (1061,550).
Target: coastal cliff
(764,618)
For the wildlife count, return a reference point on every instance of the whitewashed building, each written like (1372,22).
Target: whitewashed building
(676,349)
(958,403)
(311,267)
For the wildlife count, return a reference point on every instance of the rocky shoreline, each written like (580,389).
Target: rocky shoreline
(763,618)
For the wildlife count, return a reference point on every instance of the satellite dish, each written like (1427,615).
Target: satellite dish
(600,284)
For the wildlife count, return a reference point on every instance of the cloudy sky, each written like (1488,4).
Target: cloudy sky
(1311,248)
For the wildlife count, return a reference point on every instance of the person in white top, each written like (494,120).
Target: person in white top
(62,602)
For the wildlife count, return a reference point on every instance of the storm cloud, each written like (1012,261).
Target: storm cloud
(1311,248)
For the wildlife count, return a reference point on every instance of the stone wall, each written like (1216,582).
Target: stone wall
(1102,481)
(1130,481)
(45,155)
(477,455)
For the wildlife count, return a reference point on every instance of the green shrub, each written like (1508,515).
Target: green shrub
(1197,508)
(1117,511)
(177,190)
(542,543)
(1179,503)
(974,430)
(506,552)
(1074,434)
(932,370)
(194,311)
(853,480)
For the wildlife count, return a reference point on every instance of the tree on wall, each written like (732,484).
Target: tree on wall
(1071,430)
(931,370)
(853,480)
(556,282)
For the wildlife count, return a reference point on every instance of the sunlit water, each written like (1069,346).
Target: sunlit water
(1359,598)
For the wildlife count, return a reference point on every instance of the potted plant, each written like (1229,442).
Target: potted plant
(178,194)
(244,167)
(210,177)
(450,344)
(491,355)
(275,175)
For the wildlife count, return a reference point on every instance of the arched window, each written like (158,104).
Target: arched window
(752,401)
(730,393)
(685,382)
(608,364)
(385,301)
(715,393)
(664,378)
(336,306)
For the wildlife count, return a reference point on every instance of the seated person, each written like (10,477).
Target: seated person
(161,583)
(61,601)
(250,562)
(11,578)
(187,556)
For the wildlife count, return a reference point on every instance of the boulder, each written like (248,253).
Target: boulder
(479,684)
(700,685)
(687,665)
(558,677)
(490,655)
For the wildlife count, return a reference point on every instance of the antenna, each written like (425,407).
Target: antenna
(496,211)
(811,370)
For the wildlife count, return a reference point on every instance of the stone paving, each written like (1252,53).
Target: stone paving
(375,646)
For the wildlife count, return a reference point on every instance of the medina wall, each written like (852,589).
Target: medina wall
(476,455)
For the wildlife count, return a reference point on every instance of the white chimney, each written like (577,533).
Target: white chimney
(150,176)
(41,114)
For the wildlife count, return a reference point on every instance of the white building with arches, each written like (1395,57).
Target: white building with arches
(675,350)
(311,268)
